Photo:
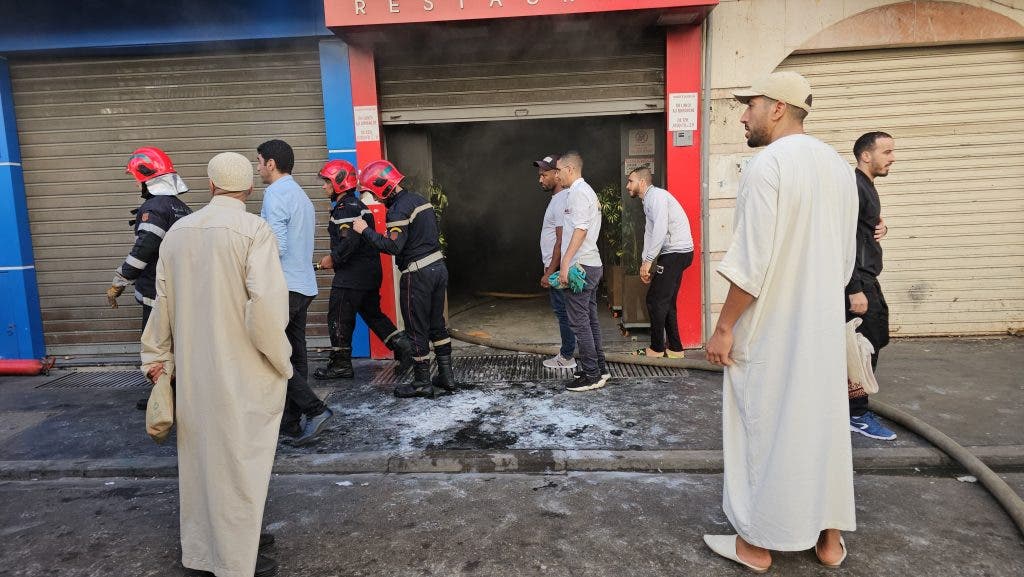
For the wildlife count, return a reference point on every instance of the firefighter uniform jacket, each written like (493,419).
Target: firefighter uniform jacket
(412,233)
(152,221)
(356,262)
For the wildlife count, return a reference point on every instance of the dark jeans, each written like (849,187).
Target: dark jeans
(422,294)
(875,327)
(661,299)
(300,399)
(581,309)
(341,315)
(568,337)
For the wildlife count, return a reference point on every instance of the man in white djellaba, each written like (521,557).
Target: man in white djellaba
(788,482)
(218,327)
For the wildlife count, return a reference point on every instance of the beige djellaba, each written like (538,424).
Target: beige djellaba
(785,415)
(219,324)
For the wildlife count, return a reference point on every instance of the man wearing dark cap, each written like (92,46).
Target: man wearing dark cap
(551,257)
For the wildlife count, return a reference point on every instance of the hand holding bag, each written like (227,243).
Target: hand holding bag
(160,409)
(858,358)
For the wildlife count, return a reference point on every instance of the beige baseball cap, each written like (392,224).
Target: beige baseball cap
(230,171)
(786,86)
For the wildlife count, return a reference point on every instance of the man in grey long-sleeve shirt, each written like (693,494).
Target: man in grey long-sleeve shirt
(668,251)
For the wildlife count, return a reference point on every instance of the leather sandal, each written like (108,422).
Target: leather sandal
(725,545)
(835,565)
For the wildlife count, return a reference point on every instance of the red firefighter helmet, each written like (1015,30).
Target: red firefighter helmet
(380,177)
(148,162)
(341,174)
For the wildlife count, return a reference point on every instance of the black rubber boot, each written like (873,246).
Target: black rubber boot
(445,378)
(339,366)
(265,566)
(402,346)
(420,386)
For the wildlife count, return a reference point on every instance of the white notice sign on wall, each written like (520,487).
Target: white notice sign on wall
(682,111)
(367,124)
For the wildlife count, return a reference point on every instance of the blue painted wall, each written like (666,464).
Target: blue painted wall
(30,25)
(21,324)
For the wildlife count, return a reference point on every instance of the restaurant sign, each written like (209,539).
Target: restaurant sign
(344,13)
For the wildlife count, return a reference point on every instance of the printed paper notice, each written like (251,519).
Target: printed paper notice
(367,124)
(682,111)
(641,142)
(632,164)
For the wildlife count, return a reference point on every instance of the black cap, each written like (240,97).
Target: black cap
(547,163)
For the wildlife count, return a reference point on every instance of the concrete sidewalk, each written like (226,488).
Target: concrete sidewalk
(623,480)
(969,388)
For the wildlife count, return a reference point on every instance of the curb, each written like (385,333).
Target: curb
(541,461)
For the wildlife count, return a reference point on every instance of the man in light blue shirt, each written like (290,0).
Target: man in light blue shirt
(288,210)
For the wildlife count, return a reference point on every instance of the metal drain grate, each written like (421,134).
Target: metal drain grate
(522,367)
(98,380)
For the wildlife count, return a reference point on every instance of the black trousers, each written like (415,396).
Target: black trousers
(874,327)
(661,299)
(422,294)
(146,311)
(342,308)
(300,399)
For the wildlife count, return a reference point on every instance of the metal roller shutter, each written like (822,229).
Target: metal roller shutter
(954,200)
(80,118)
(519,70)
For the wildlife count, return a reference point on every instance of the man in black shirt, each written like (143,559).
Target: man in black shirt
(357,277)
(874,153)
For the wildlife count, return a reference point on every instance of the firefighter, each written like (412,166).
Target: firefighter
(160,186)
(412,237)
(357,278)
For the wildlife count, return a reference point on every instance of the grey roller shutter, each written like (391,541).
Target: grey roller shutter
(80,118)
(508,76)
(954,200)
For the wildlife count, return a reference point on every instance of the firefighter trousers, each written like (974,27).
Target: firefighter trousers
(342,308)
(422,295)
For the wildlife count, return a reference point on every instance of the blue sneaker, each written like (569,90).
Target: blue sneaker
(868,425)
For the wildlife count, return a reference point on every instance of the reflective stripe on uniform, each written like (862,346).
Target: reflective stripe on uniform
(423,262)
(412,216)
(135,263)
(150,227)
(421,359)
(441,342)
(144,300)
(352,219)
(392,335)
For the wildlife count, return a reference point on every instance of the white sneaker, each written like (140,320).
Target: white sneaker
(560,362)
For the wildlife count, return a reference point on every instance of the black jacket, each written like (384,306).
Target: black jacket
(153,219)
(356,263)
(869,252)
(412,229)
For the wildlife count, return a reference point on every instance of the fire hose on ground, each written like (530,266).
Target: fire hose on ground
(997,487)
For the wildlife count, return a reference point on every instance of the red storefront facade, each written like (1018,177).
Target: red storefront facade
(367,26)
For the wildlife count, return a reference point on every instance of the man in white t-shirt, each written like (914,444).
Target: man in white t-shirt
(581,228)
(551,257)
